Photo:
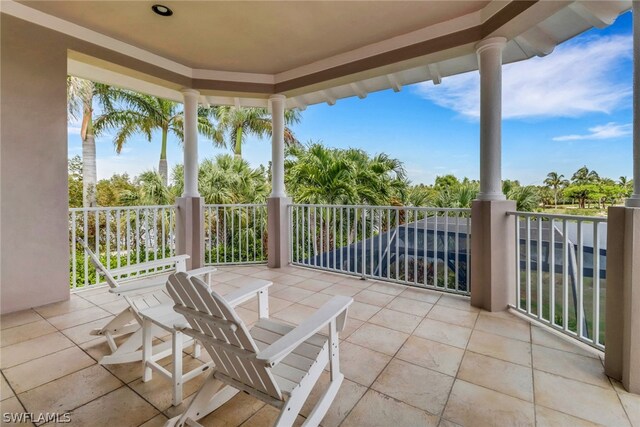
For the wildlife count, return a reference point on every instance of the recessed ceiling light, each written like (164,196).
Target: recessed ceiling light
(161,10)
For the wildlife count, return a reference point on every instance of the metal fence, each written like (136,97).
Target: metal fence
(119,236)
(425,247)
(561,273)
(235,234)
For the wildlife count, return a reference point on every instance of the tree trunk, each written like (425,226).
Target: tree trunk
(162,165)
(89,174)
(237,148)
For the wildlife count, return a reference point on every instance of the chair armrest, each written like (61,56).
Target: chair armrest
(247,292)
(141,284)
(148,265)
(277,351)
(201,271)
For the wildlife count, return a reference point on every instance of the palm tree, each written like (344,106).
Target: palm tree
(236,123)
(320,175)
(626,184)
(226,180)
(458,196)
(379,179)
(526,198)
(317,174)
(139,113)
(585,176)
(81,95)
(149,190)
(555,181)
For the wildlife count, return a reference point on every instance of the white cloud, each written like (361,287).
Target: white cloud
(577,78)
(608,131)
(73,130)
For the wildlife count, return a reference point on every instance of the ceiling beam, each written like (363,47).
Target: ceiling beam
(536,42)
(393,81)
(328,97)
(434,73)
(296,103)
(597,14)
(359,89)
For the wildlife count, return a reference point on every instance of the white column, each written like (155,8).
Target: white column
(490,65)
(190,143)
(277,103)
(634,200)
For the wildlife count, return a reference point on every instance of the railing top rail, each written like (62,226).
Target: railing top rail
(235,205)
(111,208)
(558,216)
(423,208)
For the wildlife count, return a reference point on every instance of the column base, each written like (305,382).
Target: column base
(633,201)
(622,340)
(190,230)
(492,254)
(278,231)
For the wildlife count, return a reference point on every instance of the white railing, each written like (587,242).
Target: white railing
(235,234)
(561,273)
(119,236)
(426,247)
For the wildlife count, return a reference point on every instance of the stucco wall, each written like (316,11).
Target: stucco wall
(34,254)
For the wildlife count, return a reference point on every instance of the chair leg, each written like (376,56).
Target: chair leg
(177,367)
(321,408)
(336,378)
(210,397)
(197,349)
(131,349)
(111,342)
(292,407)
(263,304)
(147,350)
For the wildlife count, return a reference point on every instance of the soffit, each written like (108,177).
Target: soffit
(255,36)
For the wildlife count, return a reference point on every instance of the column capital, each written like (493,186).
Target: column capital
(186,92)
(277,99)
(491,43)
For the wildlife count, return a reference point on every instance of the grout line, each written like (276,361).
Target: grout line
(455,377)
(624,409)
(24,408)
(97,363)
(24,324)
(44,355)
(533,377)
(369,388)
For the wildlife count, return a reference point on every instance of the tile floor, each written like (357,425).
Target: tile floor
(411,357)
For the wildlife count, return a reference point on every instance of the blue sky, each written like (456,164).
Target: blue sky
(568,109)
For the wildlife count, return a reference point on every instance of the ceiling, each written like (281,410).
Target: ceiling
(255,36)
(241,52)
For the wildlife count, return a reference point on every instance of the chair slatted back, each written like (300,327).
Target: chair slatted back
(215,323)
(100,268)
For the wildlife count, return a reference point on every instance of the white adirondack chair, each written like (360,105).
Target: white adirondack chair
(140,293)
(274,362)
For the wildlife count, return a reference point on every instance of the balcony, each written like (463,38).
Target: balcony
(411,357)
(481,317)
